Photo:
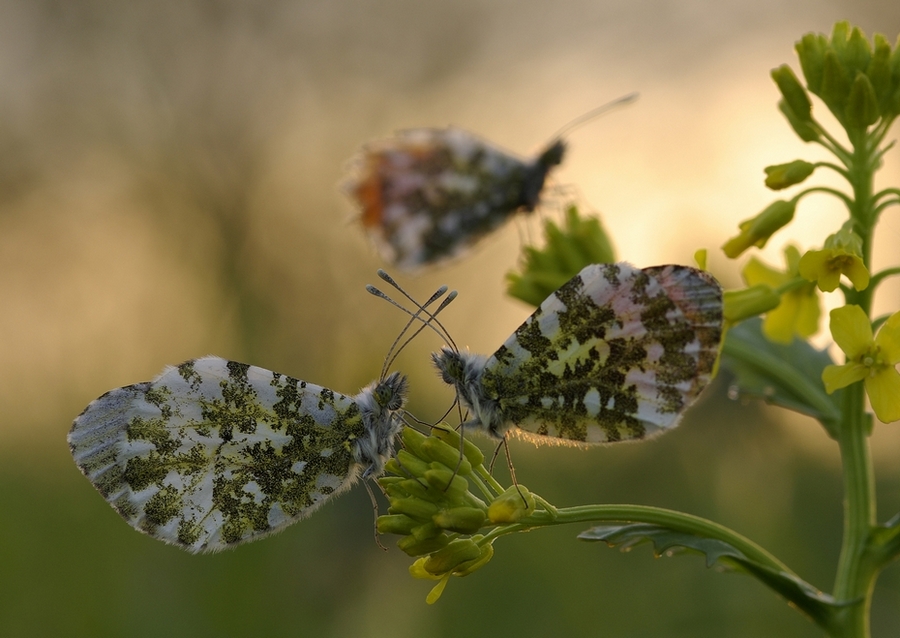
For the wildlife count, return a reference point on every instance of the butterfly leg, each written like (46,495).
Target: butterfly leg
(374,509)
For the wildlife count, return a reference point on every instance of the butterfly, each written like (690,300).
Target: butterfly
(616,353)
(213,453)
(428,194)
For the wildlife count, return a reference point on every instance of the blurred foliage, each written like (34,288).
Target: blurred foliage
(568,248)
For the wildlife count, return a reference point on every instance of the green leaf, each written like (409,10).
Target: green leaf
(885,541)
(820,607)
(789,376)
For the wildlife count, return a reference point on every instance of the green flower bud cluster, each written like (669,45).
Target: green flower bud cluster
(568,249)
(431,506)
(429,493)
(857,80)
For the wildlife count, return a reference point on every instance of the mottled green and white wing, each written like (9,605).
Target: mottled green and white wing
(213,453)
(617,353)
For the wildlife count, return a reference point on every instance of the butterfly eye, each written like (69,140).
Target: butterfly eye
(391,393)
(450,365)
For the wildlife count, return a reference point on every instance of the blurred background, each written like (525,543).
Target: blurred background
(168,189)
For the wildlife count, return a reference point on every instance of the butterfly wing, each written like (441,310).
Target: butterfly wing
(617,353)
(428,194)
(212,453)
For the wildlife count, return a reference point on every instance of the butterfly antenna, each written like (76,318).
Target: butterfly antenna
(427,324)
(445,334)
(449,410)
(413,317)
(409,416)
(600,110)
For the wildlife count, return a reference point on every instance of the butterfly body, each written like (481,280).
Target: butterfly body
(213,453)
(428,194)
(617,353)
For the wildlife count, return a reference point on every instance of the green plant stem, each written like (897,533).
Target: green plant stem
(887,191)
(855,577)
(838,169)
(678,521)
(824,189)
(880,276)
(835,147)
(886,203)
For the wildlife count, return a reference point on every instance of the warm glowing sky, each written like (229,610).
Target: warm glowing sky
(120,124)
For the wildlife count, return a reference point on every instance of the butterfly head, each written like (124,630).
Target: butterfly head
(553,156)
(381,404)
(390,393)
(536,174)
(464,370)
(451,366)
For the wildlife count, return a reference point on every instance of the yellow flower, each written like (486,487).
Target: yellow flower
(869,359)
(798,312)
(826,266)
(840,256)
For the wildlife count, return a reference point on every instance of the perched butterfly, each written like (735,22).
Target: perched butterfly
(428,194)
(616,353)
(213,453)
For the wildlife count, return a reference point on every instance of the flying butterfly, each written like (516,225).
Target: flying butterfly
(427,194)
(617,353)
(213,453)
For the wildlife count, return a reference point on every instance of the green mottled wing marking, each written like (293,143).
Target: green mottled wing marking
(617,353)
(215,452)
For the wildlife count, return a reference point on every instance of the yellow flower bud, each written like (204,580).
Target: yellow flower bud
(410,465)
(862,103)
(412,441)
(782,176)
(413,507)
(794,94)
(450,557)
(395,524)
(436,450)
(412,546)
(756,231)
(811,51)
(511,506)
(471,451)
(464,520)
(447,481)
(464,569)
(749,302)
